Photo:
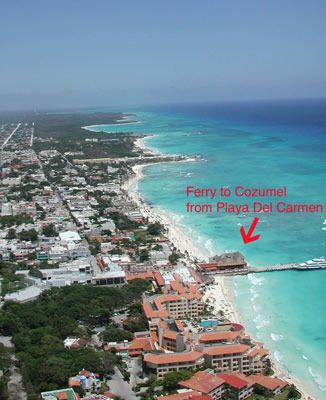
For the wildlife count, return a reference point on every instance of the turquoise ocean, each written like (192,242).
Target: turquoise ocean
(263,144)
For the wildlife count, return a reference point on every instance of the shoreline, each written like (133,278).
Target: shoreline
(220,295)
(119,122)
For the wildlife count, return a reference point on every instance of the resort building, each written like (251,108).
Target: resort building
(206,384)
(174,306)
(239,358)
(235,386)
(161,364)
(172,335)
(222,334)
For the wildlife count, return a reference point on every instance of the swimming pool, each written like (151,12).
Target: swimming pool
(209,323)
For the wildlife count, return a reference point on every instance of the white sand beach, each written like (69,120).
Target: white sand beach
(220,294)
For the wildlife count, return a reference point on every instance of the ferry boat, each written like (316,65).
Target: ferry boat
(315,263)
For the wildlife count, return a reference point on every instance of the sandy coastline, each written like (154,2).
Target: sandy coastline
(119,122)
(220,295)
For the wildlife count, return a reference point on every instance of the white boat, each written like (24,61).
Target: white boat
(315,263)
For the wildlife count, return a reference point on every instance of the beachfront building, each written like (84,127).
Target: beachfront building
(162,364)
(239,358)
(234,386)
(205,383)
(226,263)
(223,334)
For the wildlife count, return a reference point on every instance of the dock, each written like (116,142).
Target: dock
(272,268)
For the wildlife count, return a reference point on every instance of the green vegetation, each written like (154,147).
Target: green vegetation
(11,220)
(10,281)
(30,235)
(143,255)
(49,230)
(5,363)
(38,329)
(114,334)
(154,229)
(122,222)
(170,381)
(67,135)
(174,257)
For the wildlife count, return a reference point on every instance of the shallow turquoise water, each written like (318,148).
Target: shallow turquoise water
(286,309)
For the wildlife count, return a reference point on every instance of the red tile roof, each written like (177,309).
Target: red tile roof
(62,396)
(219,336)
(226,349)
(150,312)
(203,382)
(172,358)
(258,351)
(142,275)
(141,344)
(159,278)
(236,381)
(268,382)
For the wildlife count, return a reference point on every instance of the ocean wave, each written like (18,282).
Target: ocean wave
(254,294)
(254,297)
(277,337)
(209,246)
(255,280)
(177,217)
(256,307)
(319,379)
(278,356)
(261,322)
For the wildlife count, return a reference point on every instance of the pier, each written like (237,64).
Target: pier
(272,268)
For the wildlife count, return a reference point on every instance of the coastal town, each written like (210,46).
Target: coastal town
(134,308)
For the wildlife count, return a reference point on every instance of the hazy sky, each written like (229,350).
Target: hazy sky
(104,52)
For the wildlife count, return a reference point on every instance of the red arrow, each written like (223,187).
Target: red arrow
(246,237)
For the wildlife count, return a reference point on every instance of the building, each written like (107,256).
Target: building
(233,386)
(226,263)
(172,335)
(176,306)
(273,386)
(61,394)
(239,358)
(162,364)
(237,386)
(206,383)
(108,274)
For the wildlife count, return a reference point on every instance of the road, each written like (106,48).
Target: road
(120,387)
(10,136)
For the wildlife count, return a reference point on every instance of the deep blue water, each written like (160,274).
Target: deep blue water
(263,144)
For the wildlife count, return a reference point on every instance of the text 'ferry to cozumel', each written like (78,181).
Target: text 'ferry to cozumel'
(315,263)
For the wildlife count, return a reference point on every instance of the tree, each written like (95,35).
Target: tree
(49,230)
(171,379)
(11,234)
(174,257)
(154,229)
(293,393)
(30,235)
(143,255)
(113,334)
